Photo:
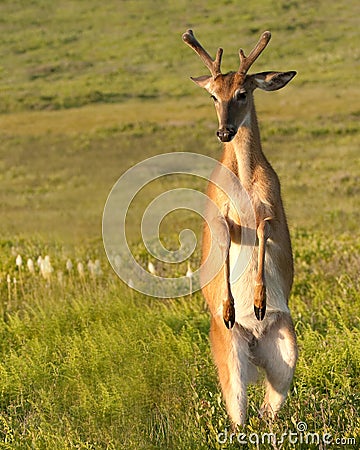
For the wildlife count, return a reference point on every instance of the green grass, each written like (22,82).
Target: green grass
(75,53)
(88,363)
(88,89)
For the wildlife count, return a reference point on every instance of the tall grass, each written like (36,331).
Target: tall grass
(88,363)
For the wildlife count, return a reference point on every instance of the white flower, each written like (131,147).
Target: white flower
(69,265)
(151,268)
(80,269)
(30,265)
(94,268)
(18,261)
(189,272)
(91,267)
(39,261)
(46,268)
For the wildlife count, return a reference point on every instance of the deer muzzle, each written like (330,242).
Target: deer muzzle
(226,133)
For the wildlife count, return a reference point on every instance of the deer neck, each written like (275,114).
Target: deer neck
(245,151)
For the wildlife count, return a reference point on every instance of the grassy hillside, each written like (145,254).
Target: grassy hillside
(88,89)
(74,53)
(123,70)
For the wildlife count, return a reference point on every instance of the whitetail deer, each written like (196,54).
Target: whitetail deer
(251,324)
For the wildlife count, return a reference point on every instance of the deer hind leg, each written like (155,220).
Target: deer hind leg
(277,353)
(263,233)
(231,355)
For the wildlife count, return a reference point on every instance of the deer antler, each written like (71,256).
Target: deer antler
(211,64)
(247,61)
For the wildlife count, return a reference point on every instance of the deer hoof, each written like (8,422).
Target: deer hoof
(260,312)
(229,324)
(260,301)
(229,315)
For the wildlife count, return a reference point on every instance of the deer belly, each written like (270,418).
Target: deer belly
(243,270)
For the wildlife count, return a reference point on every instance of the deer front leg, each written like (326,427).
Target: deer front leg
(228,301)
(221,231)
(263,233)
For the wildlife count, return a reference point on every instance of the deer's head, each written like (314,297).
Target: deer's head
(232,92)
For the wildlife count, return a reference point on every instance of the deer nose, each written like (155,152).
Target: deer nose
(225,134)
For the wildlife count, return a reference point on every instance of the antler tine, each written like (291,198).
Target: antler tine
(247,61)
(212,64)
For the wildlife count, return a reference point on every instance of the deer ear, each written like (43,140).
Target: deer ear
(203,81)
(272,81)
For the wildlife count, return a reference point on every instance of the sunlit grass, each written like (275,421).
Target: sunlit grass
(88,89)
(87,362)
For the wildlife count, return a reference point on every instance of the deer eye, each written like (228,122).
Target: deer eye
(241,96)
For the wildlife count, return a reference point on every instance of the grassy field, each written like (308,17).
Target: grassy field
(88,89)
